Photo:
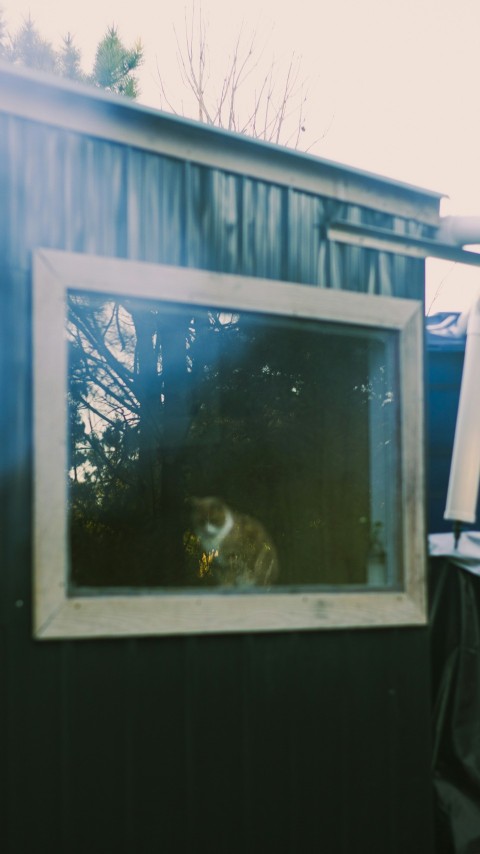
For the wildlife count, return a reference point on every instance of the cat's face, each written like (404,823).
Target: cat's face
(208,515)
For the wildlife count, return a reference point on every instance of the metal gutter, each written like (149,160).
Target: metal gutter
(384,240)
(83,109)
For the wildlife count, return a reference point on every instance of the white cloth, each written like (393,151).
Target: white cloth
(467,553)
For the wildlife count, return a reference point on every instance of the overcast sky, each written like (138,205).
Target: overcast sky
(393,85)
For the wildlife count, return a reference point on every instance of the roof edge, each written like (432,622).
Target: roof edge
(45,98)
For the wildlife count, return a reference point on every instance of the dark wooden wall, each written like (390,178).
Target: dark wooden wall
(444,377)
(287,743)
(278,742)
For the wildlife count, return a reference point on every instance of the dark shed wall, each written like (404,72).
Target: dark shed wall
(63,190)
(443,383)
(281,742)
(444,377)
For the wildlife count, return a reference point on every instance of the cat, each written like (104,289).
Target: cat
(242,552)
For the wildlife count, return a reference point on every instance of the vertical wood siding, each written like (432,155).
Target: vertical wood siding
(444,377)
(63,190)
(282,742)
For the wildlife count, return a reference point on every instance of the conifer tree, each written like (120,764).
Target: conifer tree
(69,60)
(113,68)
(3,36)
(28,47)
(114,65)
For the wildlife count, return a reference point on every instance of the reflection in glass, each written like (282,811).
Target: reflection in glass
(288,427)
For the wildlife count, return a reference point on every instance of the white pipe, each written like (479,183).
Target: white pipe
(465,468)
(459,230)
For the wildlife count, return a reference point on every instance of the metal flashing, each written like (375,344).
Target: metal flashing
(384,240)
(83,109)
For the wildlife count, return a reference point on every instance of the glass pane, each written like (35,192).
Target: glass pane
(227,450)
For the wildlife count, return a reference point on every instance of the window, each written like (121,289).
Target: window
(219,453)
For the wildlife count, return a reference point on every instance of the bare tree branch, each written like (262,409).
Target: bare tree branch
(273,111)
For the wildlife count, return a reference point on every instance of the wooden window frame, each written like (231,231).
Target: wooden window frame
(60,615)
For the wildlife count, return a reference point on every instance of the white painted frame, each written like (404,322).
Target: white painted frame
(58,615)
